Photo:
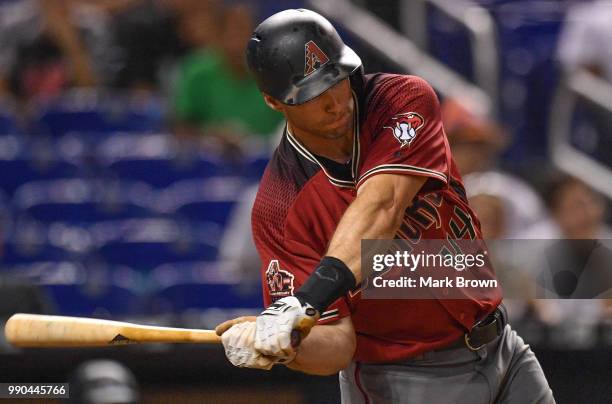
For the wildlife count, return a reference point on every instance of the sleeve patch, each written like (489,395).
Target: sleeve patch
(404,127)
(279,281)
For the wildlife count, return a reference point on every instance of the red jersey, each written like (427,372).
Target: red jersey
(302,197)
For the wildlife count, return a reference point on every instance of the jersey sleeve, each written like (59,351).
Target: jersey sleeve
(406,130)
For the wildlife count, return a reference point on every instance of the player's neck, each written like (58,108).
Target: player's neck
(339,149)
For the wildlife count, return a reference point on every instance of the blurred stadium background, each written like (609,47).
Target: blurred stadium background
(132,141)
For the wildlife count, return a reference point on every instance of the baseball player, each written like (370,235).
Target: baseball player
(364,157)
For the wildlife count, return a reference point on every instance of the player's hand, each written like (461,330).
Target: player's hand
(226,325)
(239,349)
(277,323)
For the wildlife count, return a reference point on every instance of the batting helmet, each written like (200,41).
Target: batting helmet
(295,55)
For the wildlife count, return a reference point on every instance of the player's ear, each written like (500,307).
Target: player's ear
(273,103)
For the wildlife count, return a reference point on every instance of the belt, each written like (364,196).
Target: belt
(484,331)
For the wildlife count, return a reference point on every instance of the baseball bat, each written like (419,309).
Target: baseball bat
(34,330)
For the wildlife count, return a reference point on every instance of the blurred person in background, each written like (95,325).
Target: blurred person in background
(496,212)
(585,39)
(491,212)
(198,22)
(214,93)
(476,145)
(153,35)
(578,213)
(476,142)
(146,37)
(578,210)
(507,204)
(584,46)
(103,381)
(49,45)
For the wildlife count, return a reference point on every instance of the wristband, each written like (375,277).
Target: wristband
(331,280)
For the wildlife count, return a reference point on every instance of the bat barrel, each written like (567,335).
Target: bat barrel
(32,330)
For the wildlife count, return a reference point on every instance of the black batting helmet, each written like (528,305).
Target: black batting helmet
(295,55)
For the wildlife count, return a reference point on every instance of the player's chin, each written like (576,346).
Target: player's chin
(333,134)
(336,132)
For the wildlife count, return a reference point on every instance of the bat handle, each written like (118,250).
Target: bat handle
(296,338)
(304,326)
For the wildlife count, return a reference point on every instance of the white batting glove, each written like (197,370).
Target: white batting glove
(239,349)
(276,324)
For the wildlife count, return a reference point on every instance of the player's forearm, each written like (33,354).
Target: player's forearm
(365,218)
(327,350)
(376,213)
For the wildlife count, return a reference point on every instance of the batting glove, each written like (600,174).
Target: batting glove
(282,325)
(239,349)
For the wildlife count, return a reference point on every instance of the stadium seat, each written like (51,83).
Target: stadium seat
(210,200)
(207,211)
(84,212)
(6,215)
(80,290)
(15,253)
(7,124)
(157,159)
(80,149)
(198,285)
(135,146)
(82,201)
(174,273)
(16,172)
(106,301)
(255,166)
(8,119)
(161,173)
(46,272)
(201,296)
(88,111)
(11,146)
(145,244)
(57,122)
(147,255)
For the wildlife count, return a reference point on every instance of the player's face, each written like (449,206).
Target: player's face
(330,115)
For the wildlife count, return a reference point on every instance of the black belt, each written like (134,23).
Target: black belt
(484,331)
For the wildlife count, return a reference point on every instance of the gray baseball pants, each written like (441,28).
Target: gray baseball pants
(505,371)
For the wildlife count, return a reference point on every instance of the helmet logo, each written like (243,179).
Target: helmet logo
(315,58)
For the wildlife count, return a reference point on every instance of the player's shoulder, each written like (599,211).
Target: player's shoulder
(396,78)
(385,95)
(288,167)
(275,196)
(384,92)
(385,86)
(284,178)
